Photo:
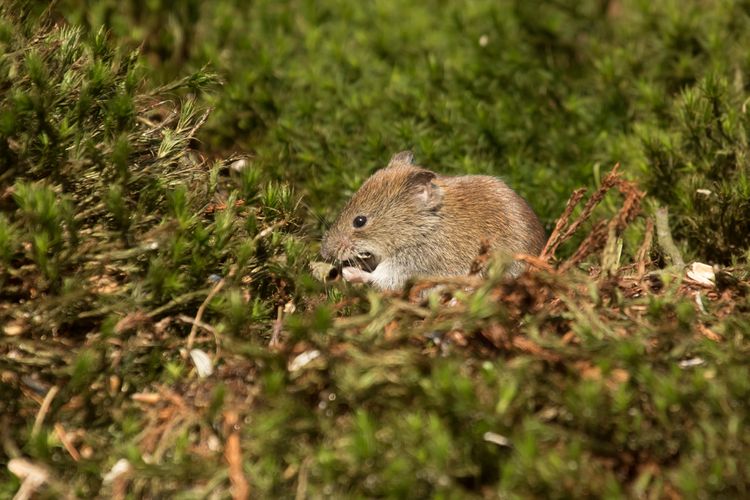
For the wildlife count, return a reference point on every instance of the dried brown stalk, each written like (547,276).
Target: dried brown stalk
(556,237)
(610,180)
(598,236)
(63,437)
(44,409)
(642,257)
(233,456)
(199,315)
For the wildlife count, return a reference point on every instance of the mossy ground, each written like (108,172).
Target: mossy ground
(166,171)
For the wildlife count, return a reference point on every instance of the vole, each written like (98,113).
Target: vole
(406,221)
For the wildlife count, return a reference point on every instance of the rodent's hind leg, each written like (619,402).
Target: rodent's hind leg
(356,275)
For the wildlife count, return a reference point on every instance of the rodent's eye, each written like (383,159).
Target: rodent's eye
(359,221)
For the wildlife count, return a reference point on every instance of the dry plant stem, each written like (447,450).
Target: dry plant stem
(395,307)
(199,123)
(458,281)
(630,208)
(301,492)
(644,251)
(199,315)
(609,181)
(527,345)
(33,477)
(555,238)
(63,437)
(119,488)
(192,321)
(664,238)
(44,409)
(169,420)
(598,235)
(708,333)
(536,262)
(27,489)
(233,456)
(610,255)
(277,326)
(265,232)
(595,238)
(205,326)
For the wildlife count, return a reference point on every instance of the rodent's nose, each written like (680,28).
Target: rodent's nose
(335,247)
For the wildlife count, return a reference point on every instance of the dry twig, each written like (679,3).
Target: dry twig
(63,437)
(199,315)
(557,234)
(609,181)
(598,236)
(233,456)
(44,409)
(642,257)
(277,326)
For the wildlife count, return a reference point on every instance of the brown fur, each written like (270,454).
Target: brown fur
(423,224)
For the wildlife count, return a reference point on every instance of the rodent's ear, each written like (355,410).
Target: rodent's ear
(402,158)
(421,176)
(427,191)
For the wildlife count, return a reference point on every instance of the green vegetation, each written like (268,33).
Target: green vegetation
(166,169)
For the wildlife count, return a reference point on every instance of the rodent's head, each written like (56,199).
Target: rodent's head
(394,209)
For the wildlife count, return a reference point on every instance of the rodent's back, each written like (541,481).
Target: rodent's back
(478,208)
(487,206)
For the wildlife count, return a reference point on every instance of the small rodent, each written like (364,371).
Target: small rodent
(406,221)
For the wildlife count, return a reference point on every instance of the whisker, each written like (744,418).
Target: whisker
(322,221)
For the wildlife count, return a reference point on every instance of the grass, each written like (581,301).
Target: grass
(166,172)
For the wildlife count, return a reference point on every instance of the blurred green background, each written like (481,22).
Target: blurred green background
(544,94)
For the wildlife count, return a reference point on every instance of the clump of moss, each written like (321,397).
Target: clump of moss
(701,169)
(111,224)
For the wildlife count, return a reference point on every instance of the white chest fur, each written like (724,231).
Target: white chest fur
(389,275)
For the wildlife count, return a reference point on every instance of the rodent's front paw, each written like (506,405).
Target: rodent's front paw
(356,275)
